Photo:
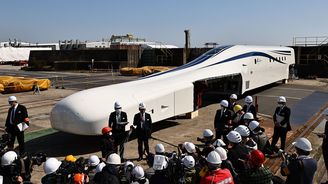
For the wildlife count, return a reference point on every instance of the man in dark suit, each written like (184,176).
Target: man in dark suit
(223,121)
(142,122)
(117,121)
(281,123)
(17,116)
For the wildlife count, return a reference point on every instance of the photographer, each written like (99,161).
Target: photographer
(50,168)
(300,167)
(215,174)
(9,169)
(110,173)
(138,176)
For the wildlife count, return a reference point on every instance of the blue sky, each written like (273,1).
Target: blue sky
(222,21)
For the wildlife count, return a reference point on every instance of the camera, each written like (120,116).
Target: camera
(4,140)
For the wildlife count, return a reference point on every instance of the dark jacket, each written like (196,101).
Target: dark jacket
(118,130)
(301,170)
(107,146)
(251,109)
(226,164)
(144,132)
(261,175)
(159,178)
(237,155)
(20,115)
(284,112)
(221,121)
(109,175)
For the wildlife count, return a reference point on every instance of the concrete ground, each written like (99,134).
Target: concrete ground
(41,138)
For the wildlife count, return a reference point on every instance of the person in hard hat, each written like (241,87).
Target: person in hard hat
(256,172)
(249,107)
(189,170)
(215,174)
(110,173)
(245,136)
(160,161)
(260,137)
(207,140)
(281,118)
(143,123)
(8,165)
(226,164)
(70,158)
(138,176)
(80,178)
(237,152)
(17,121)
(98,170)
(232,101)
(237,116)
(50,167)
(117,121)
(107,146)
(324,136)
(246,119)
(223,120)
(302,168)
(93,162)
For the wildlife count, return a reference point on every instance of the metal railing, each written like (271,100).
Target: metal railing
(310,41)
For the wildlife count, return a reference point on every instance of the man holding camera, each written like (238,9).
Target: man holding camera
(17,121)
(299,167)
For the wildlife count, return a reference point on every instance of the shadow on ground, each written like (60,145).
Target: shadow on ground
(60,144)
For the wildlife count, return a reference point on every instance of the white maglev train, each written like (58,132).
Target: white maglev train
(171,93)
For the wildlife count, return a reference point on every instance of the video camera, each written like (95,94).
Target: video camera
(287,157)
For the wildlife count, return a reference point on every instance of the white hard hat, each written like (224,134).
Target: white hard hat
(188,161)
(222,152)
(190,147)
(207,133)
(234,137)
(253,124)
(224,103)
(184,145)
(93,160)
(249,116)
(127,164)
(159,148)
(8,158)
(142,105)
(219,143)
(100,167)
(117,105)
(303,144)
(233,96)
(51,165)
(12,99)
(242,130)
(214,158)
(114,159)
(248,99)
(138,172)
(281,99)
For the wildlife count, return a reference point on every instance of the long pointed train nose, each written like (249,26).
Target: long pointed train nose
(75,118)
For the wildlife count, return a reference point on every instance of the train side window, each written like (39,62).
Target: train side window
(254,61)
(285,58)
